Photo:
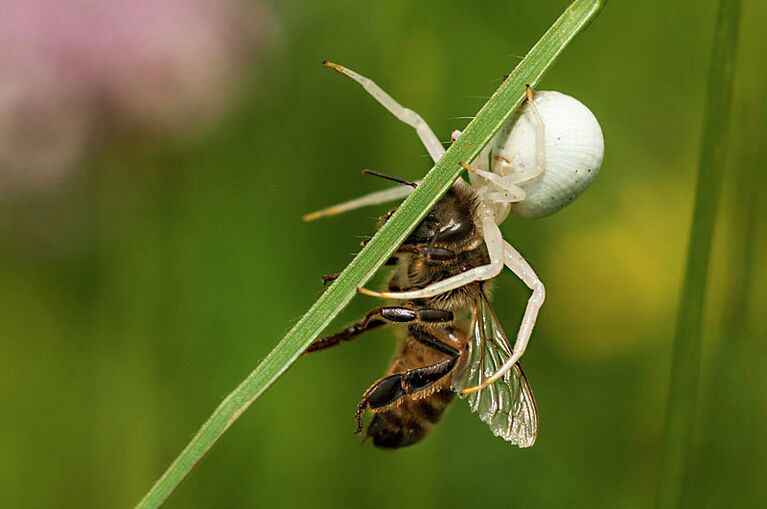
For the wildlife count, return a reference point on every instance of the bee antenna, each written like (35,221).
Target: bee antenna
(398,180)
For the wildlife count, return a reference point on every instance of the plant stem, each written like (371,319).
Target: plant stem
(476,135)
(685,363)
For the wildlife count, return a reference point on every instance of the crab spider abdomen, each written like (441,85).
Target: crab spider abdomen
(573,153)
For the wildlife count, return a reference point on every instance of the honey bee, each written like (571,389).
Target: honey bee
(440,354)
(542,158)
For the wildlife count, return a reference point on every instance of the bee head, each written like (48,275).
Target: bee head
(450,222)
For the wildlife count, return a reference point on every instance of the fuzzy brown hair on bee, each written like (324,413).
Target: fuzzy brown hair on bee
(419,384)
(520,170)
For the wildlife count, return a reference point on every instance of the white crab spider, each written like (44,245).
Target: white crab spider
(544,157)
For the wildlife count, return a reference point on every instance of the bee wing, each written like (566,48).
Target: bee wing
(508,405)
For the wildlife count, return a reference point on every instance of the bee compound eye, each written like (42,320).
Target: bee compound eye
(439,254)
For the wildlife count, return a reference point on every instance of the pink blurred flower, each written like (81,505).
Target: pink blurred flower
(70,67)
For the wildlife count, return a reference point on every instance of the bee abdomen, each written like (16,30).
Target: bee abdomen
(409,422)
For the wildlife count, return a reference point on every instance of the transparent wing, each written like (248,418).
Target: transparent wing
(507,406)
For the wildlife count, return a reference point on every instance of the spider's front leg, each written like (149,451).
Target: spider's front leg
(501,189)
(501,166)
(406,115)
(429,140)
(502,184)
(517,264)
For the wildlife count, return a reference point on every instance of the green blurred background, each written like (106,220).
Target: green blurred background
(138,290)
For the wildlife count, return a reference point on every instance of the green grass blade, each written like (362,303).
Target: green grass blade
(685,364)
(476,135)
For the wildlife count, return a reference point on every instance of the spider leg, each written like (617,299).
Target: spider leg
(408,116)
(504,167)
(540,134)
(376,198)
(482,159)
(495,249)
(413,119)
(507,191)
(522,269)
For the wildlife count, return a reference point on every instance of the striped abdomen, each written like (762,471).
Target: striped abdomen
(412,416)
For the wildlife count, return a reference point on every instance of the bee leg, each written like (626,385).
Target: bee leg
(349,333)
(382,316)
(392,260)
(391,388)
(329,278)
(427,339)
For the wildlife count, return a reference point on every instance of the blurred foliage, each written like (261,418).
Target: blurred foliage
(145,287)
